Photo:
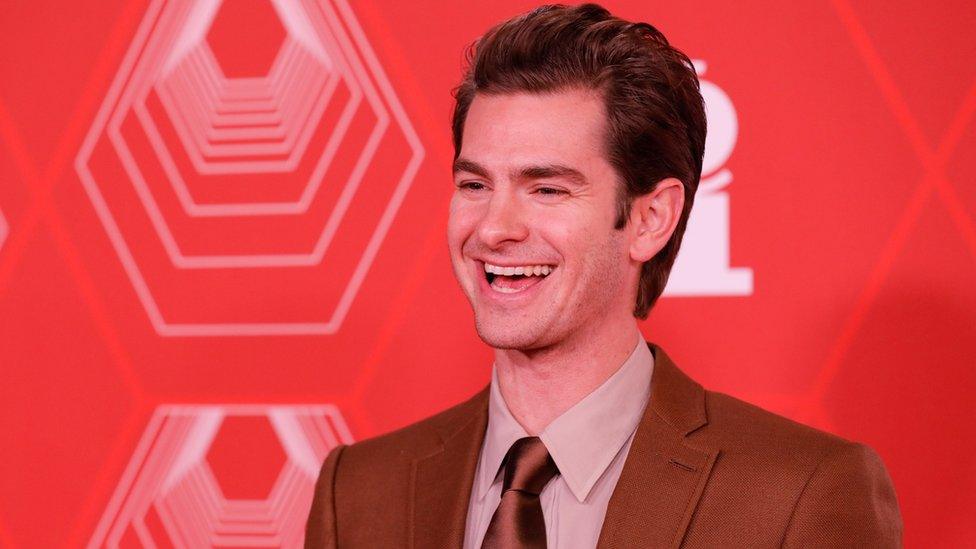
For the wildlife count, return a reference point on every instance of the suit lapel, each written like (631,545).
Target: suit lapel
(654,499)
(664,475)
(442,480)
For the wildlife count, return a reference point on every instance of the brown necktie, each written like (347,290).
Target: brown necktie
(517,522)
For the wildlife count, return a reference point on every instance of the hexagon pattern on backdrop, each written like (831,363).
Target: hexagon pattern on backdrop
(234,182)
(245,168)
(222,475)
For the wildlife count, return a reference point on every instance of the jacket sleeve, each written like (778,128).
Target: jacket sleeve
(320,529)
(848,501)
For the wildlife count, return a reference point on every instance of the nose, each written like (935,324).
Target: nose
(503,221)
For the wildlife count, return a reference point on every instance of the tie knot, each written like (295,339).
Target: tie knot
(528,466)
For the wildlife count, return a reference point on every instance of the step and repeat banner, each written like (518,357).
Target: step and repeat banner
(223,251)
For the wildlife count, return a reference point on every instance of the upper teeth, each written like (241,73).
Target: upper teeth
(527,270)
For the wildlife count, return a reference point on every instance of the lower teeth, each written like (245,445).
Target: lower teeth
(507,290)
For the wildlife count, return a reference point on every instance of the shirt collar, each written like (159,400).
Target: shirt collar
(584,439)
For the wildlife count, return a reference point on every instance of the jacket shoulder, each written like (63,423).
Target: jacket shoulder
(418,438)
(759,444)
(807,487)
(746,426)
(371,478)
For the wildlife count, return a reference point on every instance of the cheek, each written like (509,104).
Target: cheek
(460,224)
(595,253)
(576,234)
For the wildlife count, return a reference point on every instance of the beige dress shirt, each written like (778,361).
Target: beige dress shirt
(588,442)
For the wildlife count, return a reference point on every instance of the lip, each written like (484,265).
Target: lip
(491,295)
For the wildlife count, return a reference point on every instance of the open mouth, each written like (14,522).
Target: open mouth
(514,279)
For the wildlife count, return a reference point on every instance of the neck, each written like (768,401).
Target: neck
(540,384)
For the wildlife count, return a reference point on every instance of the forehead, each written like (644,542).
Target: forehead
(517,128)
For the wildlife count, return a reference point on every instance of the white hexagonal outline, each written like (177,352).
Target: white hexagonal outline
(157,475)
(194,209)
(268,328)
(268,126)
(170,244)
(195,138)
(275,208)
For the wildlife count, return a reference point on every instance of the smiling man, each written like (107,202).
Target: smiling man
(578,149)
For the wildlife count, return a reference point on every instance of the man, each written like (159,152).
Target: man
(578,149)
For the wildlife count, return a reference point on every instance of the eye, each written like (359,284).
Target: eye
(471,186)
(549,191)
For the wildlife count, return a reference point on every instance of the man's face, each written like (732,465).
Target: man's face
(535,195)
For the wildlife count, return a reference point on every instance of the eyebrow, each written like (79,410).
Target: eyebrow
(543,171)
(549,171)
(464,165)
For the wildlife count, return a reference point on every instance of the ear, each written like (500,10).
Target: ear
(653,218)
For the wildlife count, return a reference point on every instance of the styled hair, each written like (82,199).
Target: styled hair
(655,111)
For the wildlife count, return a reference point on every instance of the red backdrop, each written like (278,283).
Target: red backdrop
(222,247)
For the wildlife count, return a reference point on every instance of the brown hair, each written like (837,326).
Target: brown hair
(655,112)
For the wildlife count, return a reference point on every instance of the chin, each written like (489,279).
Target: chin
(501,333)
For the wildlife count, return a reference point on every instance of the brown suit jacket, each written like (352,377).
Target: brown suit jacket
(704,470)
